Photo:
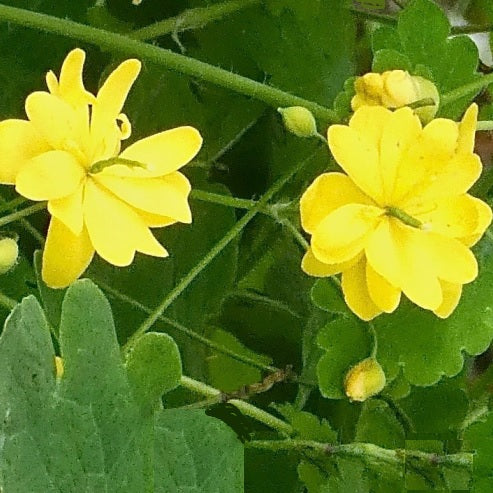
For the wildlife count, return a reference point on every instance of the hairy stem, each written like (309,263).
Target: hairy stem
(192,19)
(245,407)
(15,216)
(212,254)
(118,43)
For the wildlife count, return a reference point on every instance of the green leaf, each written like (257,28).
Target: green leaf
(437,411)
(307,426)
(153,368)
(227,373)
(196,453)
(422,37)
(84,431)
(478,438)
(346,342)
(327,296)
(378,424)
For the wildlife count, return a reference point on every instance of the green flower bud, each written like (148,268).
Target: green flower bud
(364,380)
(299,121)
(9,251)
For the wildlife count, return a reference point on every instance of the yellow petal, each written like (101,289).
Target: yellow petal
(328,192)
(68,210)
(400,132)
(444,179)
(452,260)
(454,217)
(343,233)
(371,122)
(71,86)
(65,256)
(484,216)
(19,142)
(116,230)
(383,294)
(358,156)
(164,196)
(398,253)
(451,297)
(154,220)
(105,133)
(313,267)
(61,125)
(162,153)
(467,130)
(356,293)
(51,175)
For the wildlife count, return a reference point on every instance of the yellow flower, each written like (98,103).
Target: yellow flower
(100,199)
(400,220)
(394,89)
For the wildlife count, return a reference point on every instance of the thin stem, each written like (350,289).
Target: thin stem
(374,16)
(296,233)
(472,28)
(486,125)
(392,19)
(192,19)
(216,198)
(7,302)
(12,204)
(374,338)
(185,330)
(15,216)
(24,222)
(118,43)
(367,452)
(199,387)
(262,416)
(212,254)
(245,407)
(466,90)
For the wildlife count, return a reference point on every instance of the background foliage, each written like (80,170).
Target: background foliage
(108,428)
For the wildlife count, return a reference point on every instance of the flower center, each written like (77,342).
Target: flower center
(403,216)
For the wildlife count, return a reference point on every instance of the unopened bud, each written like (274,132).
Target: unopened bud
(9,251)
(299,121)
(364,380)
(58,367)
(394,89)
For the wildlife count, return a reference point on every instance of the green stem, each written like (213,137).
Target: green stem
(15,216)
(392,19)
(403,216)
(185,330)
(486,125)
(374,338)
(192,19)
(216,198)
(245,407)
(262,416)
(12,204)
(118,43)
(470,89)
(367,452)
(212,254)
(7,302)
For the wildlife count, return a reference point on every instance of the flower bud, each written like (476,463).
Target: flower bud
(9,251)
(364,380)
(394,89)
(58,367)
(299,121)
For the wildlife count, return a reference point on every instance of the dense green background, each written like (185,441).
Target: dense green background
(110,434)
